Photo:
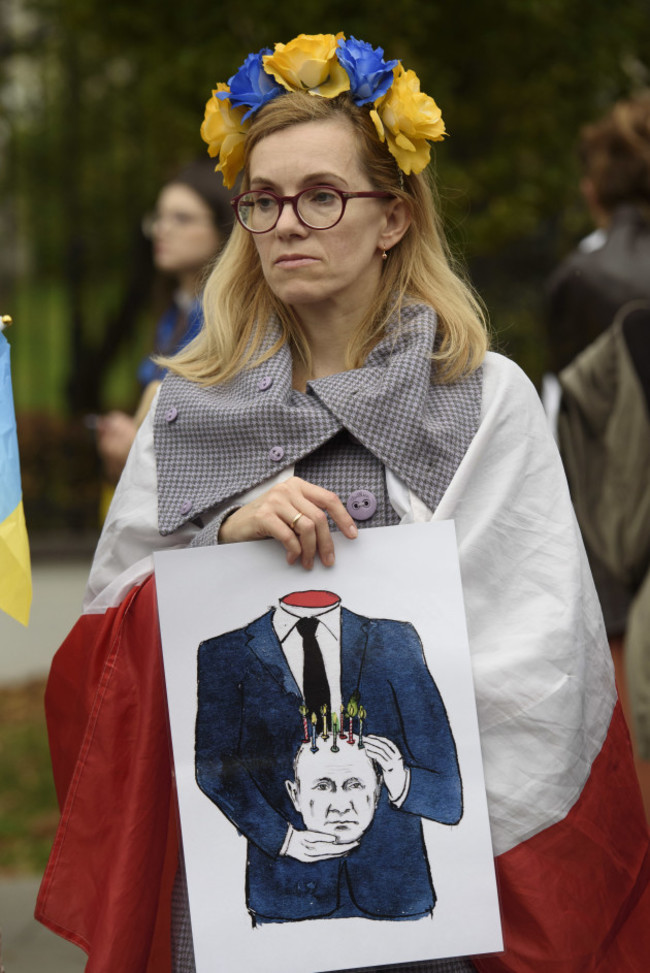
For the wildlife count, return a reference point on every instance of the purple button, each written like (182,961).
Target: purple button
(171,414)
(361,504)
(265,383)
(276,453)
(186,506)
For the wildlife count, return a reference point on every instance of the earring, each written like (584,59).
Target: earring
(384,256)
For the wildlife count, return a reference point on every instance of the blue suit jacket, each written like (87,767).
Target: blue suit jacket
(247,733)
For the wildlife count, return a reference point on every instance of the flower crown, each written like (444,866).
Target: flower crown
(325,65)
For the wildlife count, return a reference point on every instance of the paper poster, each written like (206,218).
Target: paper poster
(327,754)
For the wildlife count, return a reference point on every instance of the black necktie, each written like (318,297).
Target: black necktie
(314,681)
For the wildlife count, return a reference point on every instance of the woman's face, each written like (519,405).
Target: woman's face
(314,270)
(184,235)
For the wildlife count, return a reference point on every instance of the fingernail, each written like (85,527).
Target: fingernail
(353,531)
(328,560)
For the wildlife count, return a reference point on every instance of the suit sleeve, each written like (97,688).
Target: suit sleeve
(428,747)
(223,772)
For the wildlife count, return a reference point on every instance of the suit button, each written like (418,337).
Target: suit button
(265,383)
(361,504)
(276,453)
(171,414)
(186,506)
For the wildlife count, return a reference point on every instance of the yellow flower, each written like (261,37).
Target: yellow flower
(408,120)
(309,63)
(225,134)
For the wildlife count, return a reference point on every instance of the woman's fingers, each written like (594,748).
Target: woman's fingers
(293,512)
(312,528)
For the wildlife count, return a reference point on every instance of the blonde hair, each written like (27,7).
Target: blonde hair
(237,302)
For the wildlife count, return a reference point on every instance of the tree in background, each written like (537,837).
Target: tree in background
(100,102)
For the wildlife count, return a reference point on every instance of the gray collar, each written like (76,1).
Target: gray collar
(214,443)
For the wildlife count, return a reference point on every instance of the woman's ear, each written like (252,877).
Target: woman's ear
(398,220)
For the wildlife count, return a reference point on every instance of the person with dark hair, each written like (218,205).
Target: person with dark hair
(189,226)
(610,267)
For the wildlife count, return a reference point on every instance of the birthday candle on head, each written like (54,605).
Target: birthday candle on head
(341,723)
(362,716)
(323,710)
(305,725)
(335,732)
(353,708)
(314,748)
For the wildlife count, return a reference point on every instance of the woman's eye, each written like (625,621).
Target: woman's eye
(322,197)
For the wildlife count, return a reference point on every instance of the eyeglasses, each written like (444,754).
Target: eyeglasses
(318,207)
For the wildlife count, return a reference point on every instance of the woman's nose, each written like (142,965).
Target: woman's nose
(288,221)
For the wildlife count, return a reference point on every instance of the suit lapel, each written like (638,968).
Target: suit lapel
(263,642)
(354,642)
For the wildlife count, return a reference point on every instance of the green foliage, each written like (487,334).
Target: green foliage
(28,807)
(104,101)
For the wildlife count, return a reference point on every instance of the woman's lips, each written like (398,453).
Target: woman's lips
(289,261)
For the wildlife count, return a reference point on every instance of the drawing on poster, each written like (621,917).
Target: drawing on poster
(321,735)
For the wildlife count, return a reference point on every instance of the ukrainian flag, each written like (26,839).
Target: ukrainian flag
(15,570)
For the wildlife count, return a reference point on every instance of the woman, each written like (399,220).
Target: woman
(191,223)
(325,393)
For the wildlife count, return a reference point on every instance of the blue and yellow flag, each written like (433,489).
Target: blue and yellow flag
(15,569)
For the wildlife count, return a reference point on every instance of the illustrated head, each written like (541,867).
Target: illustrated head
(335,792)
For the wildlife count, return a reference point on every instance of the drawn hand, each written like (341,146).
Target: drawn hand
(391,762)
(272,513)
(312,846)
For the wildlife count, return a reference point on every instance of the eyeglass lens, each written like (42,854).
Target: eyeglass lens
(318,207)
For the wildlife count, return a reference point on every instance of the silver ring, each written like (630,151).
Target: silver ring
(295,520)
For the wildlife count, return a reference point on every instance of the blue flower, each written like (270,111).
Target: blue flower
(251,87)
(370,76)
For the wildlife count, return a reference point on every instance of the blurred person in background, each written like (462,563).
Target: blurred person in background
(190,224)
(610,266)
(600,351)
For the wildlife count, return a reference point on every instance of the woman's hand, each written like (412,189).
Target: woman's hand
(294,513)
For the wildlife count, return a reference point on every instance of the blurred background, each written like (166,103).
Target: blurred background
(101,102)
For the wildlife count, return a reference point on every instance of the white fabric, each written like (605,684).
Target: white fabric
(551,400)
(542,669)
(594,241)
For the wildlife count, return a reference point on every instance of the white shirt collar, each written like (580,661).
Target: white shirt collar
(286,618)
